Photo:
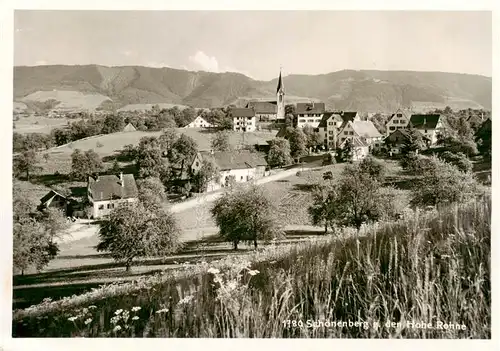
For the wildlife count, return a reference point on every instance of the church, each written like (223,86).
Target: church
(271,110)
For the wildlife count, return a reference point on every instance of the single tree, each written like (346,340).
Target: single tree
(115,169)
(85,164)
(113,123)
(373,168)
(298,142)
(279,153)
(183,150)
(151,193)
(208,172)
(132,231)
(26,163)
(322,211)
(245,213)
(443,183)
(220,141)
(346,153)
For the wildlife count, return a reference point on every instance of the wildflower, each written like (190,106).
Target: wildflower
(136,308)
(117,328)
(92,307)
(47,300)
(134,318)
(213,270)
(72,319)
(162,310)
(117,312)
(88,321)
(186,300)
(254,272)
(114,320)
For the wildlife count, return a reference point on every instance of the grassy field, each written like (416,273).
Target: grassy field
(429,268)
(107,145)
(38,124)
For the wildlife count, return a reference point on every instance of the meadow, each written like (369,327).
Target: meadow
(428,269)
(108,145)
(38,124)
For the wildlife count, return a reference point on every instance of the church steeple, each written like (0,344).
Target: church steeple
(280,85)
(280,98)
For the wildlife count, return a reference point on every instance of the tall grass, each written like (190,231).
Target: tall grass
(429,269)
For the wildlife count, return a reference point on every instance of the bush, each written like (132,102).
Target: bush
(373,167)
(459,160)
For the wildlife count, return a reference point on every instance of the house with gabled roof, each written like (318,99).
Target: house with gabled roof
(54,200)
(199,122)
(365,130)
(430,125)
(395,141)
(399,120)
(107,192)
(360,148)
(329,128)
(129,128)
(234,166)
(309,113)
(244,119)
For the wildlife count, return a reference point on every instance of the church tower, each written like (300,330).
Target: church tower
(280,99)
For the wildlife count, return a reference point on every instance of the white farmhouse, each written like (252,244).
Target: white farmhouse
(398,120)
(107,192)
(199,122)
(329,128)
(234,166)
(365,130)
(430,125)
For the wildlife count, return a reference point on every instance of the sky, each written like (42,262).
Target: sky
(258,43)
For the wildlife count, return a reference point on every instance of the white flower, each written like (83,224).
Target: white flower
(134,318)
(162,310)
(117,312)
(117,328)
(213,270)
(72,319)
(254,272)
(232,285)
(92,307)
(186,300)
(88,320)
(136,308)
(115,319)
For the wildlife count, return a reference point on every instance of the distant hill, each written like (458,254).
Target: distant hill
(366,91)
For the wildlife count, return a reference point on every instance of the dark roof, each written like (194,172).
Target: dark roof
(263,107)
(347,116)
(429,121)
(327,116)
(51,194)
(405,134)
(235,159)
(310,107)
(108,187)
(242,112)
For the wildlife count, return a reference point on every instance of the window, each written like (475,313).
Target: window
(310,120)
(346,132)
(101,207)
(392,128)
(351,133)
(241,178)
(330,123)
(197,164)
(330,138)
(399,115)
(109,206)
(425,131)
(302,120)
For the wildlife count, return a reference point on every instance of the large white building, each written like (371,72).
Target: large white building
(365,130)
(243,119)
(309,113)
(107,192)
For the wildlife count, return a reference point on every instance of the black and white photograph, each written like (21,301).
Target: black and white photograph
(256,174)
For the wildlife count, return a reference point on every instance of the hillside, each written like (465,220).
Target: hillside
(367,91)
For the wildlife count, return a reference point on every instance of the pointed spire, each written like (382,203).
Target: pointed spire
(280,83)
